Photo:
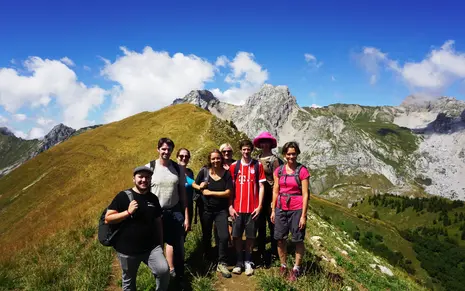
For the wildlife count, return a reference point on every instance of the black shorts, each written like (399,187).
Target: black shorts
(245,222)
(288,220)
(173,226)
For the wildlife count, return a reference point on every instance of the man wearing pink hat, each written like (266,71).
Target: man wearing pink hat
(266,142)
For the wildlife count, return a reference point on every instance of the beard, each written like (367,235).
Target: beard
(142,188)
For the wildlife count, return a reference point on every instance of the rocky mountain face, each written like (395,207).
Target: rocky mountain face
(355,150)
(15,151)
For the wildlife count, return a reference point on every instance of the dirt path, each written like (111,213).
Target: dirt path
(240,282)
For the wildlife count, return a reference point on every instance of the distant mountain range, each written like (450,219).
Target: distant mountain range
(412,149)
(14,151)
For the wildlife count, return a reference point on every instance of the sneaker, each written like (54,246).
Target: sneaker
(248,268)
(223,270)
(172,274)
(293,275)
(283,271)
(237,270)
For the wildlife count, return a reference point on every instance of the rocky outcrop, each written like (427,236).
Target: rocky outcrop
(5,131)
(206,100)
(58,134)
(443,123)
(462,116)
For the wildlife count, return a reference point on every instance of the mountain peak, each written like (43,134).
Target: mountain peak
(6,131)
(201,98)
(59,133)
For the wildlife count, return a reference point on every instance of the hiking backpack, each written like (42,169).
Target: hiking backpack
(296,176)
(107,232)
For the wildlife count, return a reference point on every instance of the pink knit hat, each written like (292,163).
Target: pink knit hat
(265,136)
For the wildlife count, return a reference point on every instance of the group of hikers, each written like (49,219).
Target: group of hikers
(232,198)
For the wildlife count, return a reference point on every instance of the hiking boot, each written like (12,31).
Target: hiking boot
(283,271)
(248,269)
(223,270)
(293,275)
(237,270)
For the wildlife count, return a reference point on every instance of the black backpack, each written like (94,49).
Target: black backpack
(107,232)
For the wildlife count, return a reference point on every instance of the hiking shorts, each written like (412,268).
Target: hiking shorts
(245,222)
(173,226)
(288,221)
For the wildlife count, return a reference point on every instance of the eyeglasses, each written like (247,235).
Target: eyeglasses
(183,157)
(227,151)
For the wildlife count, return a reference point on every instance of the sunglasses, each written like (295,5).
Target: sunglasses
(183,157)
(227,151)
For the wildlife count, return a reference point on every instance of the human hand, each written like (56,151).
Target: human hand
(256,212)
(133,206)
(302,222)
(187,226)
(232,212)
(273,216)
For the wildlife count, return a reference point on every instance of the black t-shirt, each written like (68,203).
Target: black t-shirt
(137,234)
(213,203)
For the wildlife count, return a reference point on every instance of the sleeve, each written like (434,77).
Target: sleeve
(275,172)
(261,176)
(304,173)
(117,203)
(189,181)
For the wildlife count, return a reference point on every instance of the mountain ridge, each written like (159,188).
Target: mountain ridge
(384,148)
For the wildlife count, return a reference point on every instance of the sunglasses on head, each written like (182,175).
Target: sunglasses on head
(183,156)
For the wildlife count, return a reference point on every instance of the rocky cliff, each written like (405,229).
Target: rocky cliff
(355,150)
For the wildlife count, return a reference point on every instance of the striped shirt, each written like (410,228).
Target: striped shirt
(246,197)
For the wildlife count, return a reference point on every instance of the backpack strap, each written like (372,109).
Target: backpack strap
(152,165)
(206,174)
(176,167)
(130,196)
(297,176)
(236,169)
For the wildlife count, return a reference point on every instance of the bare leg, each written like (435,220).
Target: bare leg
(170,256)
(299,253)
(282,251)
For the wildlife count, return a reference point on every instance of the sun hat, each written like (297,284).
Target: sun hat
(265,136)
(142,169)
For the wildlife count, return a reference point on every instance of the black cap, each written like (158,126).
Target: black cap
(142,168)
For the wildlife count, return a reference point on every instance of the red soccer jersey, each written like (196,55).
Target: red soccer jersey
(246,196)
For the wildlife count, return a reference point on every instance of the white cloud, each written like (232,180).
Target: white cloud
(438,70)
(221,61)
(150,80)
(316,106)
(36,132)
(20,117)
(20,134)
(246,78)
(44,121)
(312,61)
(49,79)
(3,120)
(67,61)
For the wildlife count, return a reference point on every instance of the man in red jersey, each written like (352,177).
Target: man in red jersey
(246,203)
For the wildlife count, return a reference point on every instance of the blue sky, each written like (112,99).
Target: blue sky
(357,52)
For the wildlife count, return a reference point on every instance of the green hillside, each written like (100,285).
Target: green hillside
(49,208)
(423,236)
(13,149)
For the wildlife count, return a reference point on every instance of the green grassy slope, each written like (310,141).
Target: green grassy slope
(13,149)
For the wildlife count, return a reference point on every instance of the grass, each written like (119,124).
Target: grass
(351,222)
(73,181)
(13,149)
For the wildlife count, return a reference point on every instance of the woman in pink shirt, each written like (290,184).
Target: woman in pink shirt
(289,206)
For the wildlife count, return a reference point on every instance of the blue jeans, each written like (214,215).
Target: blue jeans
(154,259)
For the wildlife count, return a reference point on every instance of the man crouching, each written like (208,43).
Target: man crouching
(140,235)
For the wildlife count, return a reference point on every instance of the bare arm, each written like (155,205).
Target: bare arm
(222,194)
(303,218)
(113,216)
(275,196)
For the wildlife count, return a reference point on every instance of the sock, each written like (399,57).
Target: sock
(283,265)
(248,256)
(297,268)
